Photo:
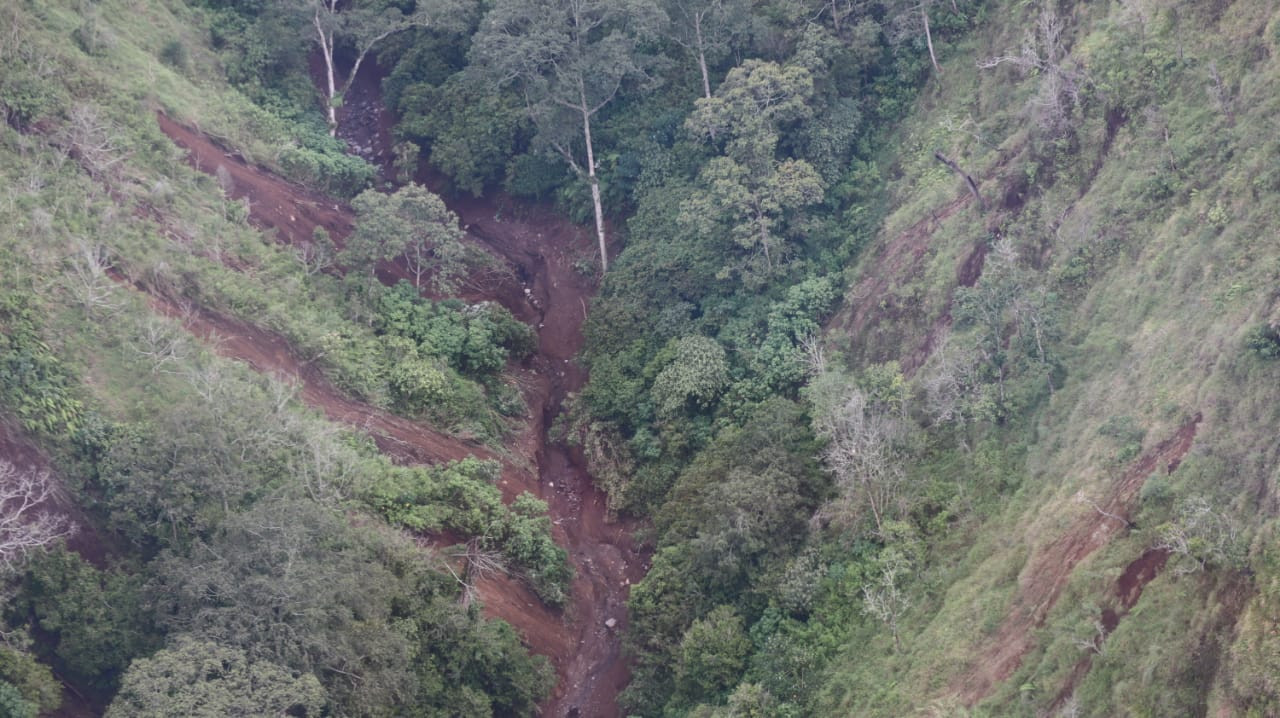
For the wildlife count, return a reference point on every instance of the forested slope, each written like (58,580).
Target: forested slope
(933,366)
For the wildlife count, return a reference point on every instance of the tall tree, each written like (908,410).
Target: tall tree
(705,29)
(362,25)
(569,58)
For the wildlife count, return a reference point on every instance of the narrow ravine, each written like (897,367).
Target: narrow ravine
(584,640)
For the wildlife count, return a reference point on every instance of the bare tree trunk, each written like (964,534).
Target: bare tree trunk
(326,49)
(968,181)
(702,59)
(595,187)
(875,511)
(928,36)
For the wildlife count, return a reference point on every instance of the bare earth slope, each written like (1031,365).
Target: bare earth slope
(540,248)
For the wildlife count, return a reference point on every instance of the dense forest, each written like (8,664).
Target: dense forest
(663,358)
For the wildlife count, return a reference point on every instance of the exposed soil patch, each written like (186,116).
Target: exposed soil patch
(540,248)
(899,259)
(1049,568)
(19,450)
(1128,590)
(292,211)
(970,271)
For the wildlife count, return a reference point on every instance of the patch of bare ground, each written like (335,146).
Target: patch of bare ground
(1049,568)
(583,641)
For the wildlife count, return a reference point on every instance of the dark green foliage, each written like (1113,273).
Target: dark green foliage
(175,54)
(534,176)
(1263,341)
(734,515)
(97,621)
(471,131)
(291,583)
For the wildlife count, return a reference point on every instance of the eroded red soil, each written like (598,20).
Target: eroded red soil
(542,289)
(1049,568)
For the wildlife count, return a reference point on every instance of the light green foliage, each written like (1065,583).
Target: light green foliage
(696,373)
(204,680)
(411,223)
(29,686)
(431,346)
(748,191)
(463,499)
(13,705)
(713,654)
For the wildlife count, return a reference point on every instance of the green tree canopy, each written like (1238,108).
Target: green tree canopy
(750,193)
(569,58)
(412,223)
(201,679)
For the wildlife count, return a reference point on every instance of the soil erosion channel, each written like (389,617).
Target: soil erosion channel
(583,641)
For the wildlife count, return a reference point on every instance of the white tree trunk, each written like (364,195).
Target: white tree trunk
(595,187)
(928,37)
(702,58)
(326,49)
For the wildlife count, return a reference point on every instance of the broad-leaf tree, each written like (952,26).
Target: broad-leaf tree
(749,191)
(569,59)
(412,223)
(201,679)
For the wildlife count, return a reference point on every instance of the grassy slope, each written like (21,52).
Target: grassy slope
(1162,261)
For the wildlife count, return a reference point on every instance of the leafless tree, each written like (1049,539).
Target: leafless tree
(1044,53)
(863,453)
(1094,641)
(478,564)
(161,341)
(1201,534)
(88,280)
(93,141)
(952,382)
(27,523)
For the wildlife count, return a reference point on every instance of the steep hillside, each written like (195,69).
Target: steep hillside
(1124,160)
(932,372)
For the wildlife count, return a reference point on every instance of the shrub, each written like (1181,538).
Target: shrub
(1263,341)
(175,55)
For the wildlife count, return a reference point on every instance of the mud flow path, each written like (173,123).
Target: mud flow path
(584,640)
